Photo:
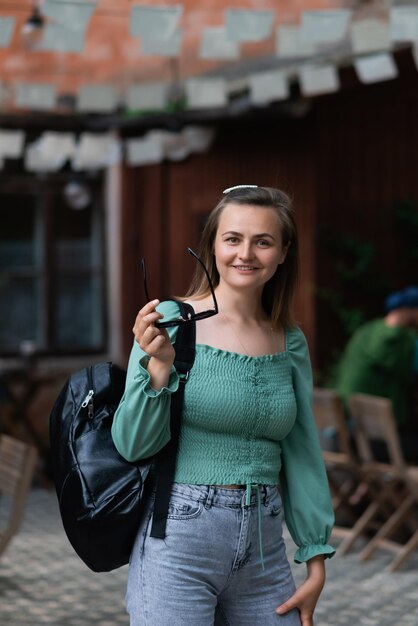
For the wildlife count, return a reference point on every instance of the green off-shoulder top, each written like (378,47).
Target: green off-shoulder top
(246,420)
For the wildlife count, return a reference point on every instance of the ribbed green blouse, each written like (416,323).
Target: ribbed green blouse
(246,420)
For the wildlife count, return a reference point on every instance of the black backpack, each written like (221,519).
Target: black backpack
(101,495)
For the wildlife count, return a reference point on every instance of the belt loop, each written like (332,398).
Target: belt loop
(266,495)
(260,532)
(248,489)
(209,497)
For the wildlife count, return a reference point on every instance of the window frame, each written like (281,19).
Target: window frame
(47,188)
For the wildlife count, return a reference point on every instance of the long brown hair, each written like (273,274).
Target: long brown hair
(279,290)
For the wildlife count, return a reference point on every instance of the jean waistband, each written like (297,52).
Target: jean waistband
(252,495)
(248,495)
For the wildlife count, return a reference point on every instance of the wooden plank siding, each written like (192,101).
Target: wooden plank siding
(166,206)
(366,150)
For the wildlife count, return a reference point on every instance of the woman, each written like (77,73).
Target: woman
(246,419)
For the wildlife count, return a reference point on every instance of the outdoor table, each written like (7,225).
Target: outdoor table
(19,388)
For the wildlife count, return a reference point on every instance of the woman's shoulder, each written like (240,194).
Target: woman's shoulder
(168,308)
(296,341)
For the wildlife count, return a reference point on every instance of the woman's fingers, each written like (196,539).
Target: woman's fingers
(306,615)
(291,603)
(304,599)
(148,309)
(154,348)
(146,317)
(152,340)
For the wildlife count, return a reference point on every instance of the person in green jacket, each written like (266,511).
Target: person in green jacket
(381,359)
(247,427)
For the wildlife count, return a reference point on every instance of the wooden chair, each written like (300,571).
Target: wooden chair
(394,484)
(17,465)
(340,462)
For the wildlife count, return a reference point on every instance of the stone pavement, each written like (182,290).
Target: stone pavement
(42,581)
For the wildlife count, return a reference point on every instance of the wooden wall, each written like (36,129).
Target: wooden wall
(166,205)
(366,147)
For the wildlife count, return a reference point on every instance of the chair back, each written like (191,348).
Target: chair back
(329,415)
(17,466)
(374,421)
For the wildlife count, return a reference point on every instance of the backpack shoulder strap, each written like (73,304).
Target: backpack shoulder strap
(185,341)
(166,458)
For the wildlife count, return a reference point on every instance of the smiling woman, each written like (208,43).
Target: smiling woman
(247,426)
(255,250)
(277,222)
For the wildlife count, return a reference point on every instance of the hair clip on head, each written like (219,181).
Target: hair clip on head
(239,187)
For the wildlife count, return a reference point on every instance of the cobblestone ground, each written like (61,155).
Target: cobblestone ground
(42,581)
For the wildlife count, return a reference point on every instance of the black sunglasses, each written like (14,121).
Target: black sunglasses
(192,317)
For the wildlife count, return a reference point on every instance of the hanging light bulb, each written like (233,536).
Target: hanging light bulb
(77,195)
(32,29)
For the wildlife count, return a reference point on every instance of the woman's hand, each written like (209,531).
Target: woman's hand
(306,596)
(155,342)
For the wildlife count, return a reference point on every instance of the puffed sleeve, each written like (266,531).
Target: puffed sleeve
(141,424)
(306,498)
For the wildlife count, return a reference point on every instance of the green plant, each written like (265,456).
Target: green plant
(353,261)
(356,288)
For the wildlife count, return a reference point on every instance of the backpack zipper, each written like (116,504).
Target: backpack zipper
(88,400)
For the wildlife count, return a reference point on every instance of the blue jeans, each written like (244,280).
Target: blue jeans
(209,570)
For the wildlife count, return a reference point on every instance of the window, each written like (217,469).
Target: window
(51,268)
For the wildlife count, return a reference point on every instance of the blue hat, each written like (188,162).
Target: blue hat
(400,299)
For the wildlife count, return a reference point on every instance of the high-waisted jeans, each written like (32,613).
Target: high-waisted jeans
(223,561)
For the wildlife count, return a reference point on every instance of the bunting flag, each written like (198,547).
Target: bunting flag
(66,26)
(96,151)
(403,22)
(266,87)
(204,93)
(146,96)
(370,35)
(153,22)
(97,98)
(189,140)
(216,45)
(245,25)
(59,38)
(7,26)
(73,15)
(36,96)
(376,68)
(157,145)
(50,152)
(199,138)
(11,143)
(168,47)
(289,43)
(318,79)
(324,27)
(147,150)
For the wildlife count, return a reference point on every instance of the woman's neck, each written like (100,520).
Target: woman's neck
(240,304)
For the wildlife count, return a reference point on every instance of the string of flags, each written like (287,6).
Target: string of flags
(94,151)
(301,50)
(67,22)
(264,87)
